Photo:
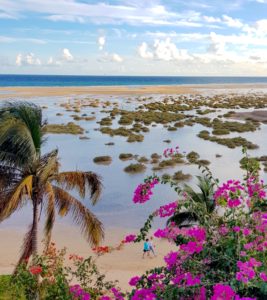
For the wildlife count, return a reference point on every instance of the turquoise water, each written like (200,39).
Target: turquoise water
(62,80)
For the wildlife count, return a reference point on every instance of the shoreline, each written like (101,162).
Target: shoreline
(34,91)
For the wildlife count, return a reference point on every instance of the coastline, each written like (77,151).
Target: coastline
(27,92)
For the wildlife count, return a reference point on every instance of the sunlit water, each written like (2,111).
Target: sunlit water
(115,207)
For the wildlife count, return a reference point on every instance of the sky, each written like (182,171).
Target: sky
(134,37)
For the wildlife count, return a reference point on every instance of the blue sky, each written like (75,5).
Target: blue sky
(134,37)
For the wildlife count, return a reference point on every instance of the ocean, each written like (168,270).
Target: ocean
(71,80)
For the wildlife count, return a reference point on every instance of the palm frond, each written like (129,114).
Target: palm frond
(48,166)
(14,198)
(50,213)
(183,219)
(81,181)
(15,140)
(8,176)
(90,226)
(28,113)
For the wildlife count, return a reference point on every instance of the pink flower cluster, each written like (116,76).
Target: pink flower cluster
(198,236)
(143,192)
(167,210)
(134,280)
(255,188)
(247,270)
(78,293)
(144,294)
(223,292)
(117,294)
(171,232)
(229,193)
(187,279)
(129,238)
(171,259)
(170,152)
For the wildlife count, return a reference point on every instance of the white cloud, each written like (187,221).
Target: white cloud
(217,44)
(117,58)
(107,57)
(66,18)
(53,62)
(19,59)
(163,50)
(27,60)
(6,16)
(101,42)
(66,55)
(211,19)
(143,51)
(231,22)
(9,39)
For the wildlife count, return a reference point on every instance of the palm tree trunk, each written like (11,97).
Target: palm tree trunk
(35,226)
(35,201)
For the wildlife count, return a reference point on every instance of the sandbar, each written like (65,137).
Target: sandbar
(26,92)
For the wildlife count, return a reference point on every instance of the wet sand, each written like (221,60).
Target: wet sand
(26,92)
(256,115)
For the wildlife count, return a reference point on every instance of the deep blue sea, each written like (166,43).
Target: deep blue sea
(69,80)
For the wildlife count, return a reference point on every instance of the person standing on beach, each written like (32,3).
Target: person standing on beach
(146,248)
(152,246)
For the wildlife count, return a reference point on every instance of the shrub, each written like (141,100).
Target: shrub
(126,156)
(69,128)
(180,176)
(135,168)
(105,160)
(192,157)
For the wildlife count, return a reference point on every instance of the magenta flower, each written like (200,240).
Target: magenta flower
(171,259)
(222,292)
(170,152)
(167,210)
(143,192)
(117,294)
(255,188)
(78,293)
(130,238)
(236,228)
(229,194)
(192,247)
(144,294)
(263,276)
(134,280)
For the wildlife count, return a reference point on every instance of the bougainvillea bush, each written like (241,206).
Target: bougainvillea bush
(221,256)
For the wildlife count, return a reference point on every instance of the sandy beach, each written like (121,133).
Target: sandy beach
(120,264)
(27,92)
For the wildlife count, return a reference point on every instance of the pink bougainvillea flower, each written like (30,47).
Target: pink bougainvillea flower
(229,194)
(129,238)
(143,192)
(134,280)
(263,276)
(223,292)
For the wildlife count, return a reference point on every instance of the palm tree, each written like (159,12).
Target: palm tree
(199,206)
(28,176)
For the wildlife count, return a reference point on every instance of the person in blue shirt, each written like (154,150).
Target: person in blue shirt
(146,250)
